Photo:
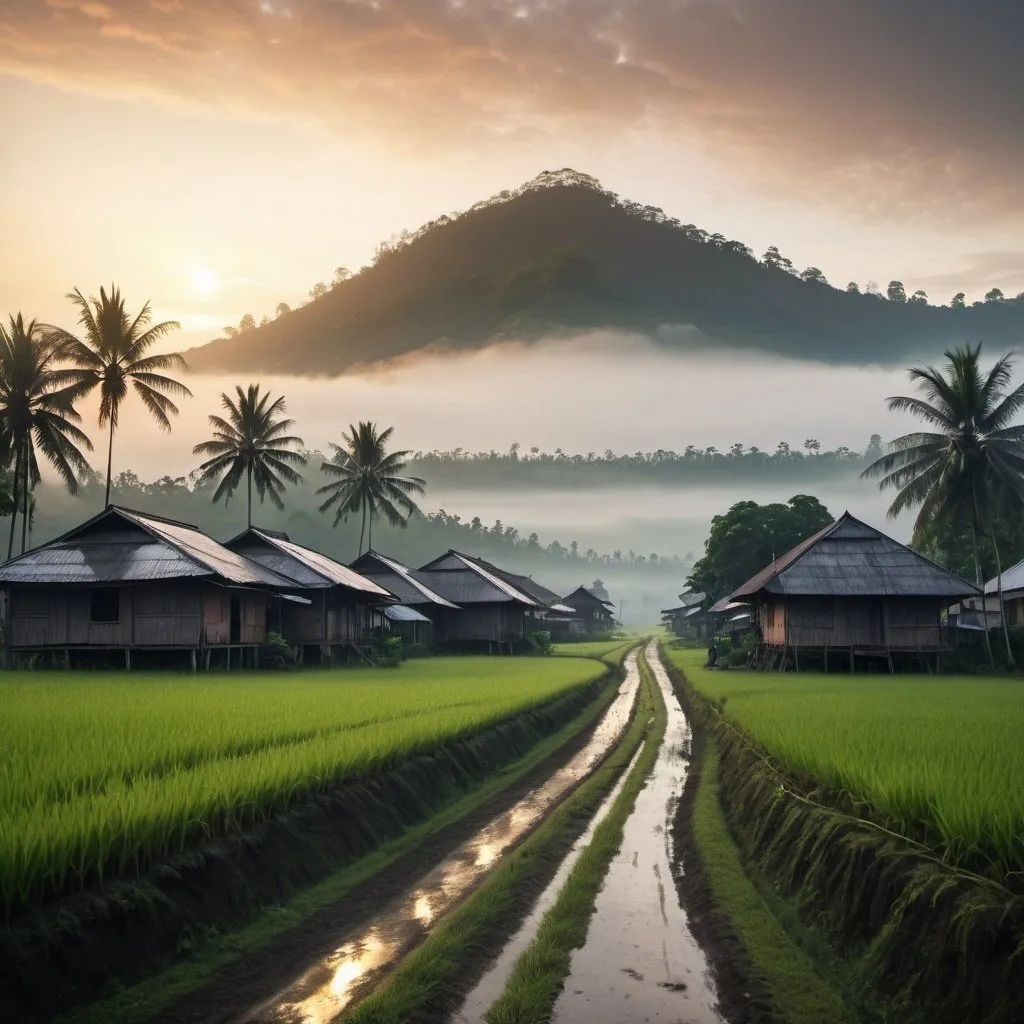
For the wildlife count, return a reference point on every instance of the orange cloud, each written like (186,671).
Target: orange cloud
(875,102)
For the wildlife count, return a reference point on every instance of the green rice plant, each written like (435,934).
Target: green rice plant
(612,651)
(104,775)
(938,759)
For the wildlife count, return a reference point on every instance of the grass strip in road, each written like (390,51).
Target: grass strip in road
(540,971)
(799,994)
(140,1002)
(425,986)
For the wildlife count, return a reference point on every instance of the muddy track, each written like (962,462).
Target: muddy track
(248,983)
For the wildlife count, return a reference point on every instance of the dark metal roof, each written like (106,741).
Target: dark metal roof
(408,585)
(403,613)
(304,565)
(589,597)
(527,584)
(120,545)
(453,572)
(691,597)
(1013,581)
(848,558)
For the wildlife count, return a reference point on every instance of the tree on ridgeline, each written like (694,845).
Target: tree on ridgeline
(247,323)
(749,537)
(368,481)
(896,292)
(281,308)
(252,442)
(969,467)
(318,291)
(113,354)
(959,301)
(37,414)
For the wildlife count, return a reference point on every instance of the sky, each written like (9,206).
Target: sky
(219,157)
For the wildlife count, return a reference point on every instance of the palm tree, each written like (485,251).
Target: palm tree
(37,413)
(972,461)
(368,480)
(113,353)
(253,442)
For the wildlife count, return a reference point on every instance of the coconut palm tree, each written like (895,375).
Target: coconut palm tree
(368,481)
(37,414)
(112,354)
(252,442)
(970,463)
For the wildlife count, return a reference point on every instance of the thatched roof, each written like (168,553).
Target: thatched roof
(848,558)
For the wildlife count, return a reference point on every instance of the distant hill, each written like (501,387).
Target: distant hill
(562,254)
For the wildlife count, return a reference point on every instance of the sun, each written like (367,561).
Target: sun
(204,281)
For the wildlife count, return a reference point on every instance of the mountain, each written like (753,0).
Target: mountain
(562,254)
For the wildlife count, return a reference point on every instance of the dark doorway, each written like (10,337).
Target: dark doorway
(236,621)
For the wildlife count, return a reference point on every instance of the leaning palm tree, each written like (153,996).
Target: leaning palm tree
(112,354)
(970,463)
(252,442)
(368,482)
(37,414)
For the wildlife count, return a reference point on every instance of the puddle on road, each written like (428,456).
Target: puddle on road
(640,961)
(492,984)
(348,971)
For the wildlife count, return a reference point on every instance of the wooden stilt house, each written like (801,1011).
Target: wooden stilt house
(412,590)
(596,613)
(330,610)
(492,612)
(850,593)
(128,582)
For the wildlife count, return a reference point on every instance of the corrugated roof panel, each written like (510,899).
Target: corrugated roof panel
(285,565)
(403,613)
(218,559)
(412,589)
(335,572)
(453,561)
(466,586)
(104,562)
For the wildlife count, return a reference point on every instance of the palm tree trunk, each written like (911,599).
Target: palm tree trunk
(249,487)
(977,579)
(24,499)
(999,591)
(14,511)
(362,529)
(110,462)
(369,539)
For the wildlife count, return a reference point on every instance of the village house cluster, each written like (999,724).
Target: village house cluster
(132,584)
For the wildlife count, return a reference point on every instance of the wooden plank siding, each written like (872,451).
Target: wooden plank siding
(905,623)
(492,622)
(161,614)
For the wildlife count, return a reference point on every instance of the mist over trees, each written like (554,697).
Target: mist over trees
(560,254)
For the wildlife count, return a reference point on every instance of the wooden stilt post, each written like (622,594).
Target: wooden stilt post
(193,659)
(128,658)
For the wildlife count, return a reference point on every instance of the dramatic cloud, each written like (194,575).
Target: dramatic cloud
(913,103)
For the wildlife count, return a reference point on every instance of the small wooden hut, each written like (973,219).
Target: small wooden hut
(597,614)
(329,609)
(128,581)
(491,611)
(412,590)
(850,592)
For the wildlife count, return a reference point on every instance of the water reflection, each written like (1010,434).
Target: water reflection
(348,971)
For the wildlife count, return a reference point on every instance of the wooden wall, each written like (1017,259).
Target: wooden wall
(493,622)
(907,623)
(175,613)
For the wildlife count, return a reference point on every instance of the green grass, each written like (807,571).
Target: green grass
(539,972)
(416,990)
(99,774)
(145,999)
(938,758)
(799,995)
(607,650)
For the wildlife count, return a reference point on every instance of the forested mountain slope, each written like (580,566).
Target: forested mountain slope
(563,254)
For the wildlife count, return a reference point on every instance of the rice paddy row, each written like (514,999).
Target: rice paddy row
(939,759)
(104,774)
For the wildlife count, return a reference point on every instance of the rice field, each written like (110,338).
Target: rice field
(101,774)
(938,757)
(607,650)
